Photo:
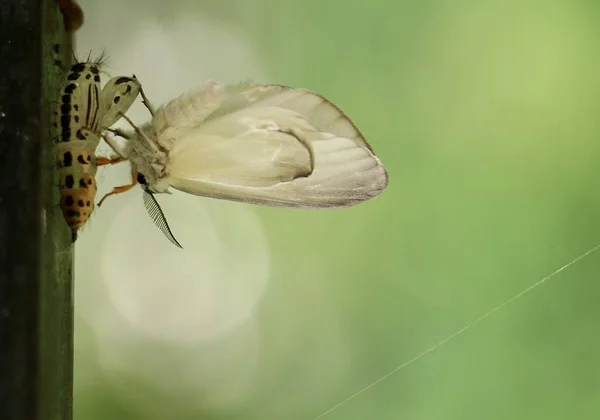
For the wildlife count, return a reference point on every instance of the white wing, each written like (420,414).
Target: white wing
(275,146)
(180,115)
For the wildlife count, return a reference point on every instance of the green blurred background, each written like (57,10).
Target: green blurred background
(486,117)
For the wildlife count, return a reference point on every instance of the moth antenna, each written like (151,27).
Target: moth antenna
(119,132)
(141,133)
(145,100)
(113,146)
(157,216)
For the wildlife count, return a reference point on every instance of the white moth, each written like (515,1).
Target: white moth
(262,144)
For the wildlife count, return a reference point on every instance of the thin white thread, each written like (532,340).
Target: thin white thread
(457,333)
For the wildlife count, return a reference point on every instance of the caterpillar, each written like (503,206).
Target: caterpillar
(82,113)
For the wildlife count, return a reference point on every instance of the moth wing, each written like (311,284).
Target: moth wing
(288,148)
(324,115)
(117,96)
(214,100)
(177,117)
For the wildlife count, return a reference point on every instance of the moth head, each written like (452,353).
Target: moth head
(141,179)
(152,186)
(147,160)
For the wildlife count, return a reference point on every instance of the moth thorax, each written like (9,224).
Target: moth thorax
(149,162)
(152,171)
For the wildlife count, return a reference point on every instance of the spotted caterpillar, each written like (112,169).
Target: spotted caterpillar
(82,113)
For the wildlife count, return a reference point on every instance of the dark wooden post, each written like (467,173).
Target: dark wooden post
(36,286)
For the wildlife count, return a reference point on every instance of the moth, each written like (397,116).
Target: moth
(82,113)
(263,144)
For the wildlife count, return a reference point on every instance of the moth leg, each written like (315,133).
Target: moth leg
(114,146)
(140,133)
(119,132)
(135,127)
(122,188)
(146,102)
(101,161)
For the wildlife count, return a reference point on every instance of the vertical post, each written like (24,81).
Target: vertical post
(36,288)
